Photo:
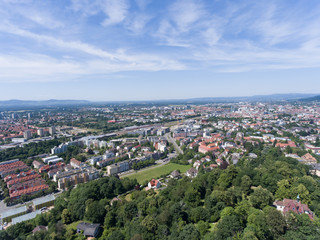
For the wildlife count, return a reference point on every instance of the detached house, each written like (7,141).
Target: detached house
(288,205)
(155,184)
(89,230)
(192,172)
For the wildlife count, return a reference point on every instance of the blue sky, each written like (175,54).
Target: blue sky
(157,49)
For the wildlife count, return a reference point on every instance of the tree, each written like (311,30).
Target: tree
(66,216)
(150,223)
(192,197)
(246,183)
(257,223)
(228,211)
(40,220)
(260,197)
(189,232)
(199,213)
(116,235)
(227,227)
(203,227)
(276,222)
(283,190)
(303,193)
(95,211)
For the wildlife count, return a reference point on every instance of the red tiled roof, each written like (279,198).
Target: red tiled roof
(29,191)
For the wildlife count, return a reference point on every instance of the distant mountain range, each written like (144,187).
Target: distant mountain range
(257,98)
(23,104)
(311,99)
(51,102)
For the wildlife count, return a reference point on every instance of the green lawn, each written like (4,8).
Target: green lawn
(158,171)
(74,225)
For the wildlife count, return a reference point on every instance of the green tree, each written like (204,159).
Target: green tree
(192,197)
(189,232)
(150,223)
(276,222)
(66,216)
(283,190)
(260,197)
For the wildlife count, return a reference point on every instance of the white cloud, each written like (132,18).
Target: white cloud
(184,13)
(137,23)
(41,68)
(142,4)
(115,10)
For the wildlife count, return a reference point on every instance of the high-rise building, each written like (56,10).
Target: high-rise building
(27,134)
(52,130)
(40,132)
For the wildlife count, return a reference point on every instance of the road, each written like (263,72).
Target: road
(171,140)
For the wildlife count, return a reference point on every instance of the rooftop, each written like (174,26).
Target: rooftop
(13,211)
(44,199)
(26,217)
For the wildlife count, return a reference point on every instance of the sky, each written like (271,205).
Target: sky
(105,50)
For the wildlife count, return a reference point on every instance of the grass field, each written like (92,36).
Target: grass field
(158,171)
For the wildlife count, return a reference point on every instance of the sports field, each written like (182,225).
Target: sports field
(156,172)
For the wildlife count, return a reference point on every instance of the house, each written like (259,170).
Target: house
(235,157)
(309,159)
(192,172)
(203,148)
(115,199)
(314,149)
(89,230)
(39,228)
(289,205)
(37,164)
(252,155)
(155,184)
(285,145)
(175,174)
(75,163)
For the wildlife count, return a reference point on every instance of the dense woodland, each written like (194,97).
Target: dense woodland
(235,203)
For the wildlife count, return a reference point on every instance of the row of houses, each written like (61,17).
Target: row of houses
(21,180)
(11,167)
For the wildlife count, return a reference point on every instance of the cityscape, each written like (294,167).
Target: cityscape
(46,154)
(159,120)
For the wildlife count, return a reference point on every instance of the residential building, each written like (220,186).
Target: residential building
(40,132)
(8,215)
(192,173)
(36,164)
(52,160)
(289,205)
(175,174)
(12,167)
(52,130)
(25,217)
(46,201)
(154,184)
(27,134)
(88,229)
